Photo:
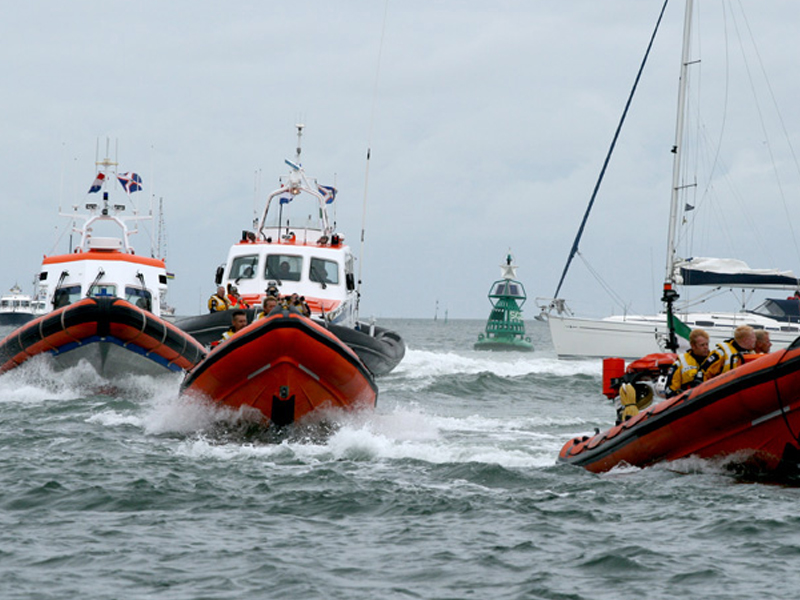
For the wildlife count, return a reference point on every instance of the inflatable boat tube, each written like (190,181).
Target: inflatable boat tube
(112,334)
(285,366)
(750,414)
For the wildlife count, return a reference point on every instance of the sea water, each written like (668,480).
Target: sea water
(449,489)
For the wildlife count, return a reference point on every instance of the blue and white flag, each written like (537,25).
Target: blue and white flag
(98,183)
(131,182)
(328,192)
(286,199)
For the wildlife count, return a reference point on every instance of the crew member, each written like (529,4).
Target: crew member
(218,301)
(234,299)
(729,354)
(269,303)
(238,322)
(683,373)
(763,343)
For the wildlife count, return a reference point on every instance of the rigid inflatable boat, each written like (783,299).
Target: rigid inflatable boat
(110,333)
(380,349)
(294,249)
(749,415)
(285,366)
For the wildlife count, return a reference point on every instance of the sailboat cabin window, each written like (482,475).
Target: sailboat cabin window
(283,267)
(244,267)
(65,296)
(139,297)
(103,290)
(324,271)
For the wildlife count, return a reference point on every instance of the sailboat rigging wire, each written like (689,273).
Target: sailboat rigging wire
(369,153)
(609,290)
(761,119)
(575,244)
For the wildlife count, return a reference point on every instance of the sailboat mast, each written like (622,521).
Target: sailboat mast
(670,295)
(677,149)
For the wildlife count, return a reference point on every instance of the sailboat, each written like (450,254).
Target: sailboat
(635,335)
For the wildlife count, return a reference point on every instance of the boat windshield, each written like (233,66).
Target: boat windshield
(324,271)
(64,296)
(283,267)
(244,267)
(140,297)
(780,310)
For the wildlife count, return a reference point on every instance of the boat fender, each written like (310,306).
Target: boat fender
(627,398)
(613,369)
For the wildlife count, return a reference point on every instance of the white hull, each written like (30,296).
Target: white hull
(635,336)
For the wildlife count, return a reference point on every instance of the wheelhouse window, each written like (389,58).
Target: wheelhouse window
(244,267)
(324,271)
(66,295)
(103,290)
(139,297)
(283,267)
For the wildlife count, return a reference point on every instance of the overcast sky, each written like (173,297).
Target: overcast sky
(491,122)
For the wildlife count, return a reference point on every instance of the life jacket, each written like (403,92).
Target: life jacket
(237,302)
(216,304)
(683,373)
(726,355)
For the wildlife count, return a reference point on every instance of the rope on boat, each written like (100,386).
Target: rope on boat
(575,244)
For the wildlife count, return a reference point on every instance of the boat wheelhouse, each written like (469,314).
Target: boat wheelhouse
(295,249)
(17,308)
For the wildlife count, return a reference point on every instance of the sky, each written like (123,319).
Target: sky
(488,124)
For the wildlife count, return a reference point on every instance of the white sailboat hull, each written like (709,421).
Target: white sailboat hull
(635,336)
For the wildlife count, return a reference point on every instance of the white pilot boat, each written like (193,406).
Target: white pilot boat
(295,249)
(105,298)
(17,308)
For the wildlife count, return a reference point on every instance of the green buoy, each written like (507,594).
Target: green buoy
(505,329)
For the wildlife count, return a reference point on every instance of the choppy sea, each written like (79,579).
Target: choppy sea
(449,489)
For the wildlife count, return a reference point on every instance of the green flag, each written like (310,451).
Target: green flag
(681,328)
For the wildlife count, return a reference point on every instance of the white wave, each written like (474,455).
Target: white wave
(373,437)
(36,381)
(425,364)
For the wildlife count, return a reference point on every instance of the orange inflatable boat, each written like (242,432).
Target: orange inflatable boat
(285,366)
(750,415)
(110,333)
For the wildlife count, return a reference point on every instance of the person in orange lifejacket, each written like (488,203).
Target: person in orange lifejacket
(729,354)
(763,343)
(234,299)
(218,302)
(683,373)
